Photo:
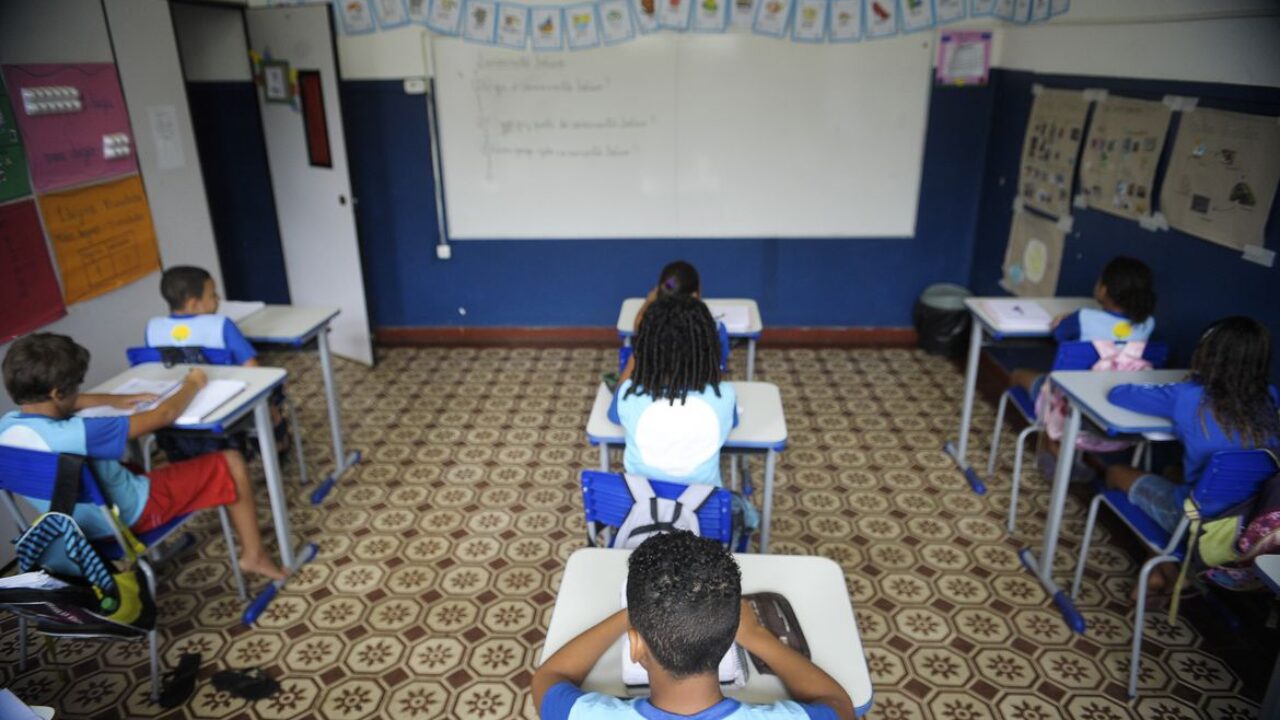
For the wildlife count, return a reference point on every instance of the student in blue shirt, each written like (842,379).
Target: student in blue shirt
(1226,404)
(43,373)
(684,610)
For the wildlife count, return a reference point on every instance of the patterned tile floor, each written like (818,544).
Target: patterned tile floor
(441,556)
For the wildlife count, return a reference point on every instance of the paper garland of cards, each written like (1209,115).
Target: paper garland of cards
(547,26)
(1118,166)
(845,23)
(1222,176)
(1033,257)
(772,17)
(480,21)
(917,15)
(1054,132)
(513,25)
(810,22)
(881,18)
(710,15)
(615,22)
(582,28)
(673,14)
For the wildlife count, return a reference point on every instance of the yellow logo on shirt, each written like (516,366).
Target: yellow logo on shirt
(1122,330)
(181,332)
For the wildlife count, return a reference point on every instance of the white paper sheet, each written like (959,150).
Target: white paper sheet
(238,310)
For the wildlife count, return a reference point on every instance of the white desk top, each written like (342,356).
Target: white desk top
(1088,390)
(631,306)
(813,585)
(1055,306)
(1269,570)
(761,422)
(258,382)
(286,324)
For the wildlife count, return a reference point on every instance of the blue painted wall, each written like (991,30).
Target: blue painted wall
(233,160)
(798,282)
(1197,281)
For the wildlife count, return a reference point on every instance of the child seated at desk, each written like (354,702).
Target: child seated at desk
(674,408)
(1226,404)
(43,373)
(676,278)
(684,610)
(193,322)
(1125,291)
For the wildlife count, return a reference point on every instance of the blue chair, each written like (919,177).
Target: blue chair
(31,473)
(195,355)
(1232,477)
(608,501)
(1070,356)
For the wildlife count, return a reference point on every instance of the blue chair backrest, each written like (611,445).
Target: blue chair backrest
(170,356)
(31,473)
(1081,355)
(1232,477)
(607,501)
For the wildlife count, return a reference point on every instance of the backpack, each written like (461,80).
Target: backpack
(86,595)
(1228,546)
(650,514)
(1051,404)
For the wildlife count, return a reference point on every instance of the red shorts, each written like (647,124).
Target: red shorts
(184,487)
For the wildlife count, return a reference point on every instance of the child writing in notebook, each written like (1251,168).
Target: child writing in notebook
(43,373)
(1225,404)
(193,322)
(1126,295)
(684,610)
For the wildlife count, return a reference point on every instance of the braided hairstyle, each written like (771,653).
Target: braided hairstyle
(1231,361)
(677,350)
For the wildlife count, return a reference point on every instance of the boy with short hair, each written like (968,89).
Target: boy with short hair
(684,610)
(43,373)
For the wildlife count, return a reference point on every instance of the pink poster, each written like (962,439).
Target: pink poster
(73,122)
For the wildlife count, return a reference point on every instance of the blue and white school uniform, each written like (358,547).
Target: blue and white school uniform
(212,332)
(1088,324)
(564,701)
(676,441)
(1195,426)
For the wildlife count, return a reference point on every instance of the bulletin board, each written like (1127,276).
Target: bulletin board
(13,161)
(1049,150)
(66,148)
(1033,258)
(102,237)
(29,296)
(1118,169)
(1222,176)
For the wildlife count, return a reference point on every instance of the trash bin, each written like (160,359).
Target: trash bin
(941,319)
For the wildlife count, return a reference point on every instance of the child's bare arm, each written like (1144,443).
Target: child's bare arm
(164,414)
(124,402)
(251,362)
(572,662)
(806,682)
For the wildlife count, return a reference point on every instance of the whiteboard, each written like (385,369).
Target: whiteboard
(730,135)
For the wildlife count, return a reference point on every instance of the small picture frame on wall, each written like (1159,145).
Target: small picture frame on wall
(314,121)
(275,82)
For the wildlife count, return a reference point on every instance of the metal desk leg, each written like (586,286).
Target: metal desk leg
(751,359)
(1043,566)
(275,488)
(341,460)
(957,450)
(766,514)
(604,457)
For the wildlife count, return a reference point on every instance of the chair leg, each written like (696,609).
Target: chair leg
(154,654)
(995,433)
(1146,460)
(1139,622)
(1084,545)
(22,644)
(1138,451)
(297,440)
(1019,450)
(145,445)
(232,552)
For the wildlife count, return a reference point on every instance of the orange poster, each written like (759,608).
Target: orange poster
(102,237)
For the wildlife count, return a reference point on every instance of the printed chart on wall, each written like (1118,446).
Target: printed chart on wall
(29,296)
(1054,132)
(1222,176)
(1126,138)
(73,122)
(102,237)
(13,162)
(1034,256)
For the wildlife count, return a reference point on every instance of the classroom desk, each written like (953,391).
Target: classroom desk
(986,324)
(755,326)
(813,585)
(260,382)
(762,428)
(1268,568)
(295,327)
(1086,393)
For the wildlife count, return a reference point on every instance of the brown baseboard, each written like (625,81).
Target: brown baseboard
(608,337)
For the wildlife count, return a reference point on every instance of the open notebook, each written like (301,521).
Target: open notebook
(1015,314)
(209,399)
(736,317)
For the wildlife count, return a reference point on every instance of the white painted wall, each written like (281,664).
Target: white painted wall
(212,43)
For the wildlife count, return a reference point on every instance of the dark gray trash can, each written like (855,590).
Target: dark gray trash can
(941,319)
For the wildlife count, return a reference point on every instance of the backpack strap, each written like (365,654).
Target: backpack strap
(694,497)
(639,487)
(1193,533)
(66,485)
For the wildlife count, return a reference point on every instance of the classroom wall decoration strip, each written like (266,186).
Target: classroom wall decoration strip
(808,21)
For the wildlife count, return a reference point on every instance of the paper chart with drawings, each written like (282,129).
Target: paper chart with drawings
(1118,167)
(1049,150)
(1034,256)
(1222,176)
